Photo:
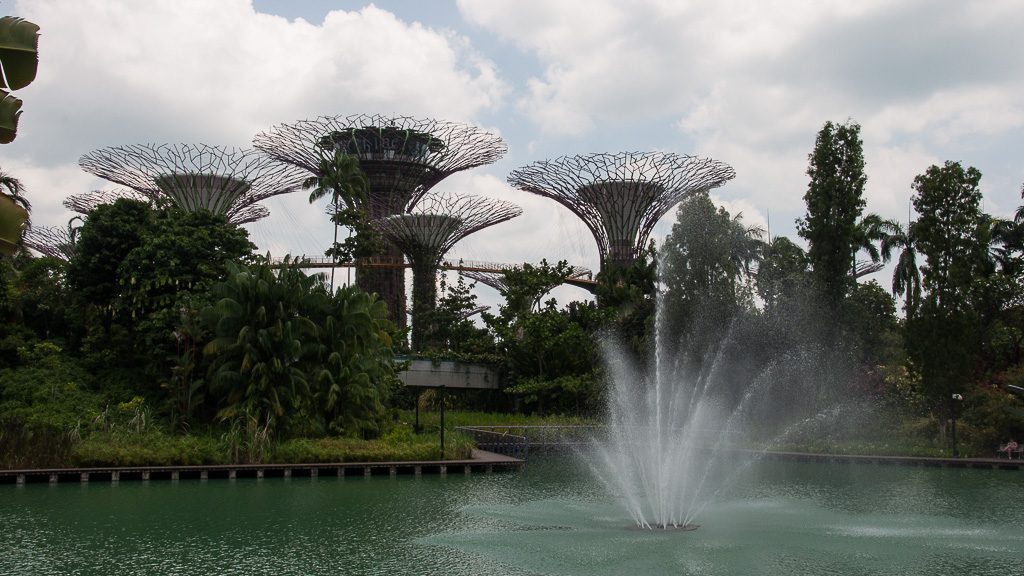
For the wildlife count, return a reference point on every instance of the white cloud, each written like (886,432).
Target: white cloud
(120,72)
(751,83)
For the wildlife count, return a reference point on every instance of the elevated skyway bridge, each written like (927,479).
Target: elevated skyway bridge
(585,281)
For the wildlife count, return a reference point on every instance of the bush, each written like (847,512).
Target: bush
(44,403)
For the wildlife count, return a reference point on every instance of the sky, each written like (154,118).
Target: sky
(746,82)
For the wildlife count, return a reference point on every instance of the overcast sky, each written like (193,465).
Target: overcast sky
(747,82)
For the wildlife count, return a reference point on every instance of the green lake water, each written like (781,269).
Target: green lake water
(787,519)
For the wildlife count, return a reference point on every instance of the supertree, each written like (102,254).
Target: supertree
(402,158)
(227,181)
(55,241)
(427,234)
(621,196)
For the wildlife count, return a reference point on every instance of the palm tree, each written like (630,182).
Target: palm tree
(14,189)
(1006,243)
(869,234)
(340,177)
(906,277)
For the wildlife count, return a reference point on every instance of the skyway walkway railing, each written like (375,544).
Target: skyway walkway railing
(519,441)
(393,262)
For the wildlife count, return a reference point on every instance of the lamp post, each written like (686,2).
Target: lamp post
(957,399)
(441,389)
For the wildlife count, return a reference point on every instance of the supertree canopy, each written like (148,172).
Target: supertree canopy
(87,201)
(425,236)
(496,279)
(402,157)
(228,181)
(620,197)
(55,241)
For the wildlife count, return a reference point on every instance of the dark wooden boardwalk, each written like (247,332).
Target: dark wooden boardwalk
(481,461)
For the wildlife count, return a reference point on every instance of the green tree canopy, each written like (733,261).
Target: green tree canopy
(706,269)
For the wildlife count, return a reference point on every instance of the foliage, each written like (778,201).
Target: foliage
(40,298)
(906,275)
(43,401)
(451,327)
(291,354)
(19,59)
(782,272)
(179,251)
(949,233)
(109,234)
(706,270)
(152,448)
(627,295)
(945,333)
(834,200)
(401,444)
(872,326)
(526,285)
(549,345)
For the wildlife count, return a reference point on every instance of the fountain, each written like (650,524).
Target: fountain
(681,432)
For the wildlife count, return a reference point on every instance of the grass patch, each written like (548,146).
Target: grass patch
(398,446)
(147,449)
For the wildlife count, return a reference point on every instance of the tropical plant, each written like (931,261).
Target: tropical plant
(906,276)
(355,372)
(295,356)
(19,60)
(261,339)
(341,178)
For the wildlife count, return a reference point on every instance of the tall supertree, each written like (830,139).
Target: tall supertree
(427,234)
(227,181)
(621,196)
(402,158)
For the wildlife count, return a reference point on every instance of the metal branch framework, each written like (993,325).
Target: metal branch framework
(402,157)
(426,235)
(223,180)
(496,279)
(621,196)
(55,241)
(85,202)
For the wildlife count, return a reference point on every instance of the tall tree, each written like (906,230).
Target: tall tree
(341,179)
(948,202)
(834,203)
(706,268)
(945,334)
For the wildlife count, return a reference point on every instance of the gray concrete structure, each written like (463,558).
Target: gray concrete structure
(448,374)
